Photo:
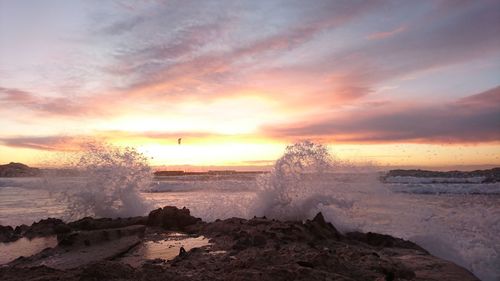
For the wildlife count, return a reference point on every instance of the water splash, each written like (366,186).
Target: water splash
(300,183)
(457,227)
(109,184)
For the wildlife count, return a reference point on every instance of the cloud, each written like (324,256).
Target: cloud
(51,106)
(120,27)
(75,142)
(468,120)
(386,34)
(191,59)
(448,34)
(188,64)
(49,143)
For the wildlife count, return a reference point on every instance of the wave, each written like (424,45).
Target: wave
(109,184)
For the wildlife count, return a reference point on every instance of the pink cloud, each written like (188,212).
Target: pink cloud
(386,34)
(470,120)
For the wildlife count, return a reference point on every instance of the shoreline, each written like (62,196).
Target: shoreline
(237,249)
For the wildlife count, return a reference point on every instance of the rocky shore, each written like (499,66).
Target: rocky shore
(489,175)
(238,249)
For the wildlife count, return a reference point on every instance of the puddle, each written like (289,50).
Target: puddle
(25,247)
(165,248)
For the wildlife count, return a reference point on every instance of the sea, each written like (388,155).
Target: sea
(454,219)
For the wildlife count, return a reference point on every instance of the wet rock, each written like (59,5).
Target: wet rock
(322,229)
(256,249)
(6,233)
(20,230)
(382,240)
(44,227)
(182,252)
(107,270)
(305,264)
(61,229)
(93,237)
(89,223)
(41,273)
(171,218)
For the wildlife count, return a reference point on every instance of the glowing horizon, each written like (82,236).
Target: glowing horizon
(396,84)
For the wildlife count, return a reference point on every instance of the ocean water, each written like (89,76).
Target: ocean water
(457,221)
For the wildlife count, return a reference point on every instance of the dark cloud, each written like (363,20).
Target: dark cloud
(472,119)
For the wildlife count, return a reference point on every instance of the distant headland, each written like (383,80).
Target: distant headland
(489,175)
(18,170)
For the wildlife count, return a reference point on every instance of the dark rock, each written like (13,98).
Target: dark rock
(39,273)
(97,236)
(6,233)
(171,218)
(89,223)
(256,249)
(490,175)
(182,252)
(18,170)
(258,240)
(107,270)
(21,229)
(45,227)
(322,229)
(382,241)
(61,229)
(305,264)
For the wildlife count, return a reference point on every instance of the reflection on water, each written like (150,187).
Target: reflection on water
(166,248)
(25,247)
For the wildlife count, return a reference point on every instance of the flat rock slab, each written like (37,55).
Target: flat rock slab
(62,259)
(85,247)
(430,268)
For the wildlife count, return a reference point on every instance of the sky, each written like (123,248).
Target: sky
(399,83)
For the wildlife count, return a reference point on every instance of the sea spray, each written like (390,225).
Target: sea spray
(307,179)
(299,183)
(109,183)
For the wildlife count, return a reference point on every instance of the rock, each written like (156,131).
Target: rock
(106,270)
(182,252)
(41,273)
(490,175)
(171,218)
(321,229)
(383,241)
(89,223)
(93,237)
(44,227)
(21,229)
(6,233)
(305,264)
(256,249)
(18,170)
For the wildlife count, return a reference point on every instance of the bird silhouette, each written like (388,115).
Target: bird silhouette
(179,140)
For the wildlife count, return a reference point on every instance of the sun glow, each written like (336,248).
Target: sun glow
(229,153)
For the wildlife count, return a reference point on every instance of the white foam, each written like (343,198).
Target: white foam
(109,185)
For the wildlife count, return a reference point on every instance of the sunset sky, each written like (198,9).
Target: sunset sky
(402,83)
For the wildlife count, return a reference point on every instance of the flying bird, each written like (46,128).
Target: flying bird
(179,140)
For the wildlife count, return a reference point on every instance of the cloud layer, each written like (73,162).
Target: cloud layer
(345,71)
